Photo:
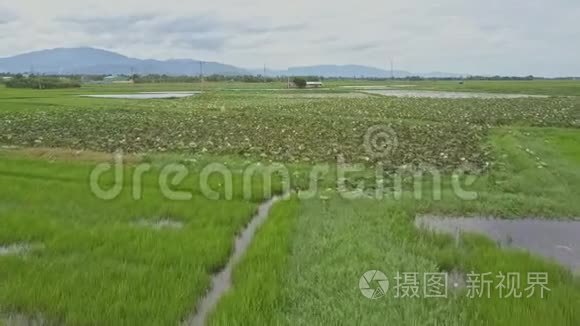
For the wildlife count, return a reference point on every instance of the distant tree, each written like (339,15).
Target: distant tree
(43,82)
(299,82)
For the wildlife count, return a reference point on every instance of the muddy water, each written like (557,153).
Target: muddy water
(440,94)
(22,320)
(553,239)
(161,224)
(222,281)
(18,249)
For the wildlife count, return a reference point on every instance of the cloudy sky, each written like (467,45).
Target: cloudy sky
(508,37)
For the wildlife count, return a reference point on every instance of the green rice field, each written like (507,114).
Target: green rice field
(192,179)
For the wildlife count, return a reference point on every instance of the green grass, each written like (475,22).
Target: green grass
(92,265)
(331,244)
(258,280)
(533,87)
(534,173)
(541,163)
(95,264)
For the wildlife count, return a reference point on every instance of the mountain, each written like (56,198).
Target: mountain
(350,71)
(102,62)
(345,71)
(92,61)
(439,74)
(62,60)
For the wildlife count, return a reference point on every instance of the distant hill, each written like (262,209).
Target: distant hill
(350,71)
(102,62)
(92,61)
(335,71)
(51,61)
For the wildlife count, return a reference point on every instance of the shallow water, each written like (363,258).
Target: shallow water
(160,224)
(17,249)
(553,239)
(145,95)
(365,86)
(17,319)
(440,94)
(222,281)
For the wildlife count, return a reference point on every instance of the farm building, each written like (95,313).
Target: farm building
(313,84)
(115,79)
(309,84)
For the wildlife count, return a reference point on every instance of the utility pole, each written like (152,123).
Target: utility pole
(392,70)
(264,75)
(201,71)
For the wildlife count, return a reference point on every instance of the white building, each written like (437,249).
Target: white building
(313,84)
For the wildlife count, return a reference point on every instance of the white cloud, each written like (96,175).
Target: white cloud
(492,37)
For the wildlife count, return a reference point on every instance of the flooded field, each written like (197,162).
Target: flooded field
(19,249)
(553,239)
(145,95)
(376,86)
(222,281)
(449,95)
(212,249)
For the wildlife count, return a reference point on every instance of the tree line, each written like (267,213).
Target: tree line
(42,82)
